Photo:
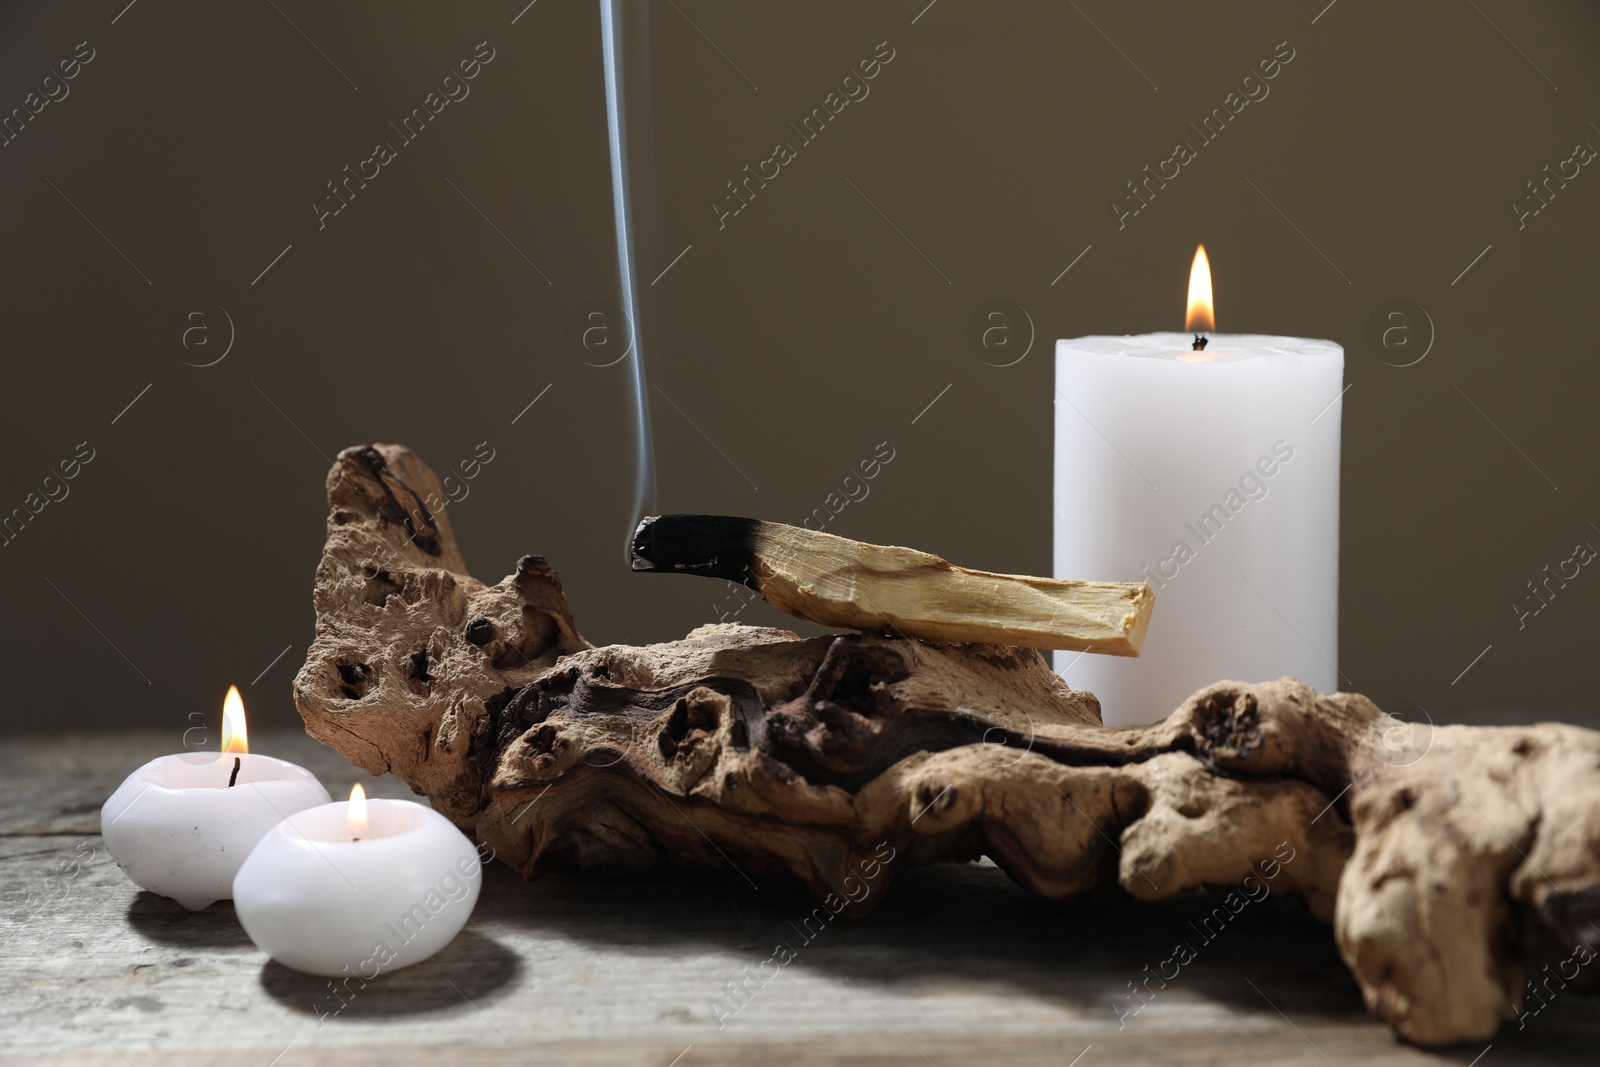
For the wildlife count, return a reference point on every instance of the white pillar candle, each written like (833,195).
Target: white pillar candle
(1214,476)
(358,889)
(179,828)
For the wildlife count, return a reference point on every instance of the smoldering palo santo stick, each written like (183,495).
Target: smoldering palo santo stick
(834,581)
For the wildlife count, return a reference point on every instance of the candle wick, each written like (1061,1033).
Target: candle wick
(234,777)
(1200,342)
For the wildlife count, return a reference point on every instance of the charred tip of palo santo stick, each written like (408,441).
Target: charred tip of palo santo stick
(834,581)
(713,546)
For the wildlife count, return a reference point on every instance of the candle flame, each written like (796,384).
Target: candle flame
(355,813)
(235,738)
(1201,317)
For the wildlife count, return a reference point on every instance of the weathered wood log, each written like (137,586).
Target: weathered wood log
(1452,861)
(834,581)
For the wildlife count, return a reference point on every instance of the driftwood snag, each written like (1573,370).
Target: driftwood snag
(834,581)
(1453,862)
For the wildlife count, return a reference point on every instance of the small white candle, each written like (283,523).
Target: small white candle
(182,825)
(358,889)
(1214,476)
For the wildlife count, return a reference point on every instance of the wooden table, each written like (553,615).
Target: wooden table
(958,966)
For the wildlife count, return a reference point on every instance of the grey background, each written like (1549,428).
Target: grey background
(784,347)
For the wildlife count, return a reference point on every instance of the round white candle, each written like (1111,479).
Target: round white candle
(178,829)
(1214,476)
(326,895)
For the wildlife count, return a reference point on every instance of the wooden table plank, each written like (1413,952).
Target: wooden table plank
(957,966)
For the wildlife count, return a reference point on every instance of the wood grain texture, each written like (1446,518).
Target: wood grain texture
(958,966)
(1455,862)
(887,589)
